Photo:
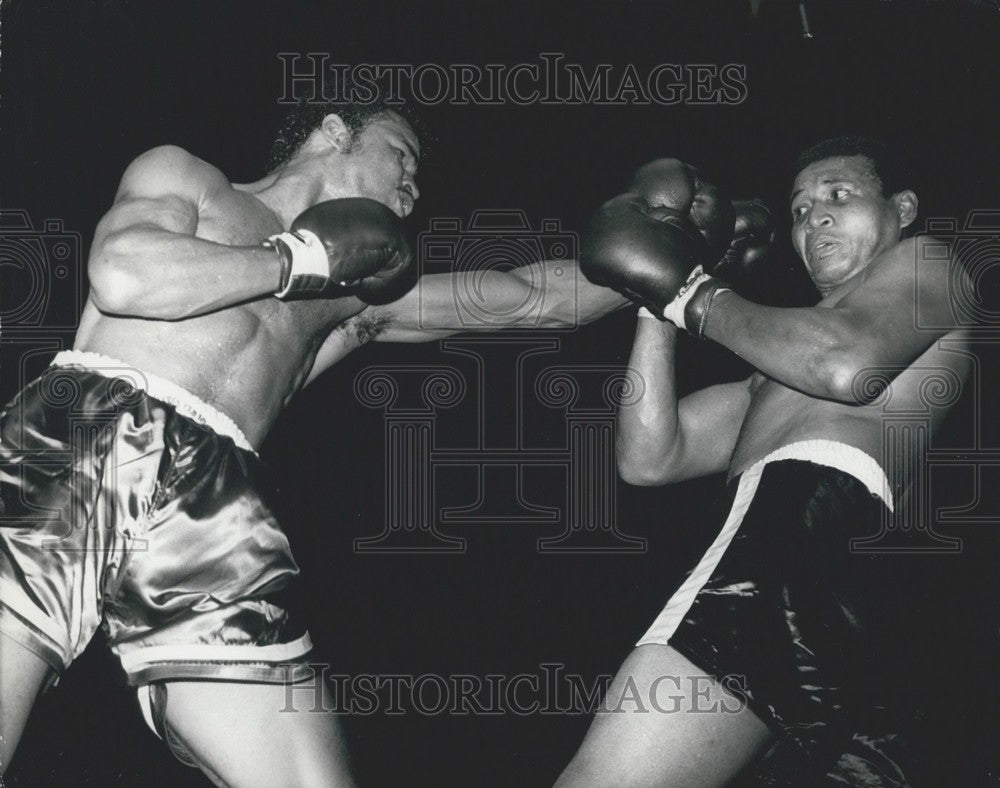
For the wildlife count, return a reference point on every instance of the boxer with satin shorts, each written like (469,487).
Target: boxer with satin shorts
(133,495)
(787,646)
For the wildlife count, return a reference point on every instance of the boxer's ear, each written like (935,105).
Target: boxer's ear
(906,207)
(336,133)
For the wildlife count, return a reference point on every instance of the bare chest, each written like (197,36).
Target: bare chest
(235,218)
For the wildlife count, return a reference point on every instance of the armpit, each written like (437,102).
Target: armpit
(366,325)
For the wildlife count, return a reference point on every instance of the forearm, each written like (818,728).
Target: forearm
(648,425)
(568,299)
(158,274)
(548,294)
(815,350)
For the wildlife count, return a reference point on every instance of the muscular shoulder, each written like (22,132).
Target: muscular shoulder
(921,268)
(170,169)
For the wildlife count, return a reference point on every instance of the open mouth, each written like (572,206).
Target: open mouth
(405,203)
(823,248)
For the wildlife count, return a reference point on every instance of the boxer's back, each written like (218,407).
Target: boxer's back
(247,359)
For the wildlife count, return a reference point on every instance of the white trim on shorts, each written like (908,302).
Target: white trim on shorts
(136,660)
(849,459)
(186,403)
(833,454)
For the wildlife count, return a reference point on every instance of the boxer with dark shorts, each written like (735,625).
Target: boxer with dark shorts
(789,649)
(133,495)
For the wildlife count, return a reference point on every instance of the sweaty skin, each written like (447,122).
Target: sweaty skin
(832,371)
(247,360)
(839,371)
(778,415)
(847,237)
(181,287)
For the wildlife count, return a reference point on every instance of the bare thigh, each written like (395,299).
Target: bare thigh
(665,723)
(22,675)
(250,735)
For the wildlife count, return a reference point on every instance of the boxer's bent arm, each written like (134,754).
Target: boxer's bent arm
(661,440)
(550,294)
(825,352)
(146,261)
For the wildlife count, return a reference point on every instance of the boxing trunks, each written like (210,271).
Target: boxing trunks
(810,629)
(130,503)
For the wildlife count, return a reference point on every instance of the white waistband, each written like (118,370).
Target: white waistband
(841,456)
(186,403)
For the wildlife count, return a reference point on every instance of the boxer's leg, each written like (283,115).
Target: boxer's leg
(240,735)
(22,676)
(663,723)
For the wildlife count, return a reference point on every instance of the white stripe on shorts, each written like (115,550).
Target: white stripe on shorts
(671,616)
(832,454)
(135,660)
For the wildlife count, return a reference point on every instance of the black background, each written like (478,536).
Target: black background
(85,90)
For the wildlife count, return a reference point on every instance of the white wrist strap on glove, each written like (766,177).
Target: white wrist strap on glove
(674,311)
(309,264)
(645,313)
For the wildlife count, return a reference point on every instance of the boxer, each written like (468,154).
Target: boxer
(211,305)
(781,660)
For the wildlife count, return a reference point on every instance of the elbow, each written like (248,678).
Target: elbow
(114,285)
(112,290)
(641,473)
(853,378)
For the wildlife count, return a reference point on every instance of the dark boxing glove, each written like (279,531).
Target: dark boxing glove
(753,236)
(646,242)
(355,243)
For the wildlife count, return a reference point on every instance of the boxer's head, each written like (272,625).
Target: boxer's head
(357,149)
(851,200)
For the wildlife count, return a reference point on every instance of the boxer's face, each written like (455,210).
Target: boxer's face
(381,164)
(841,220)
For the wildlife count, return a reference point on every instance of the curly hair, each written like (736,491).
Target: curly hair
(307,116)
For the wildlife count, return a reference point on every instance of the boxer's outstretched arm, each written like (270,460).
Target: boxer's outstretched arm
(444,304)
(661,439)
(825,350)
(550,294)
(145,260)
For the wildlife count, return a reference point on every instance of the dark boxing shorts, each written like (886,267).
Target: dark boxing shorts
(130,503)
(811,631)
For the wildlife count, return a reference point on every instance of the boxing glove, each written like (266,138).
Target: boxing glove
(646,242)
(673,184)
(753,235)
(355,243)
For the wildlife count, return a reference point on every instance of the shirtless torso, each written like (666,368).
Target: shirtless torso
(778,415)
(246,360)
